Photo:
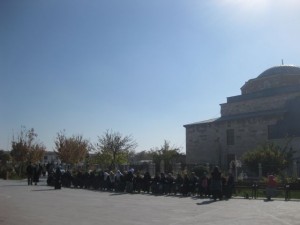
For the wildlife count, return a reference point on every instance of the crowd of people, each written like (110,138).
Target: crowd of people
(213,185)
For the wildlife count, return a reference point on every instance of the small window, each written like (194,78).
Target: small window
(230,137)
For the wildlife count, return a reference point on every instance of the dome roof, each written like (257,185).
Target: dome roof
(281,70)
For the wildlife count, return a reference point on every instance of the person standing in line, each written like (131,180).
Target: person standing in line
(29,171)
(36,174)
(230,186)
(147,182)
(216,184)
(118,180)
(193,183)
(111,178)
(203,185)
(57,183)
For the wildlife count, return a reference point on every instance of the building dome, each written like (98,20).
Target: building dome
(274,77)
(281,70)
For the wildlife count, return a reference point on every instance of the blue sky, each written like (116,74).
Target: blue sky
(141,68)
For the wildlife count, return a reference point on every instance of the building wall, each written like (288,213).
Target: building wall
(208,142)
(257,104)
(201,143)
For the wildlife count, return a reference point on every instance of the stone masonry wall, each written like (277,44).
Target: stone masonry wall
(200,143)
(256,105)
(259,84)
(208,142)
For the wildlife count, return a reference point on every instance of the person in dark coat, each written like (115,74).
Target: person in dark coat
(178,184)
(229,186)
(162,183)
(193,183)
(57,184)
(138,182)
(29,171)
(169,183)
(216,184)
(146,182)
(185,185)
(36,174)
(155,184)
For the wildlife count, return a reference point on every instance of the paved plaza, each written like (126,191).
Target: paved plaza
(42,205)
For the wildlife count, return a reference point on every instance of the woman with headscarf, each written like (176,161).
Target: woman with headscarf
(57,183)
(118,180)
(216,184)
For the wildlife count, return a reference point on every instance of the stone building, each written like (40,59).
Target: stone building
(268,109)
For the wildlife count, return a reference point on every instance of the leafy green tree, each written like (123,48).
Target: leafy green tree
(273,158)
(168,154)
(71,150)
(113,148)
(26,149)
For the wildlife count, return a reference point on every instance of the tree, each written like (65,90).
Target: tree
(273,158)
(5,166)
(143,155)
(4,157)
(168,154)
(113,148)
(26,149)
(71,150)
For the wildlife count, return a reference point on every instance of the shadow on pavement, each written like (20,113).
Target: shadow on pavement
(14,185)
(52,189)
(206,202)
